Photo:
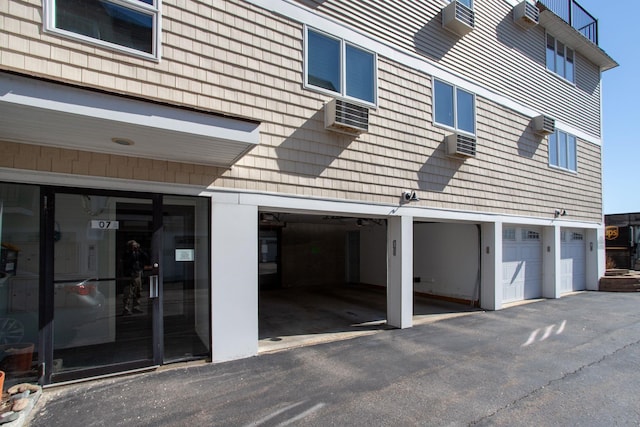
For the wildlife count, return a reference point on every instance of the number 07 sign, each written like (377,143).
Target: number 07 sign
(104,224)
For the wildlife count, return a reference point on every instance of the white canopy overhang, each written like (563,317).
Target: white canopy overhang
(45,113)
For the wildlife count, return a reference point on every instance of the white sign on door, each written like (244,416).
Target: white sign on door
(104,224)
(183,255)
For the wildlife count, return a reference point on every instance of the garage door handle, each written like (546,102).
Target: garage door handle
(153,286)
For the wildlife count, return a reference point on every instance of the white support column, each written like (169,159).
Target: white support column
(595,257)
(400,272)
(234,281)
(551,262)
(491,281)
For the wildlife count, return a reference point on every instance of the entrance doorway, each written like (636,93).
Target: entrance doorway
(95,273)
(98,307)
(108,315)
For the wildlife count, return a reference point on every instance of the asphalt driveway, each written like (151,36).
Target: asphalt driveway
(572,361)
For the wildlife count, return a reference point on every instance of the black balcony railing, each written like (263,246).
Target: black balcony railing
(576,16)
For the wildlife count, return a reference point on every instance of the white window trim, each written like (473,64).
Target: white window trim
(555,44)
(560,168)
(509,234)
(455,108)
(343,74)
(154,11)
(530,235)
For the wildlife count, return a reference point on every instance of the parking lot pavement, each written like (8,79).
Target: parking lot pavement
(571,361)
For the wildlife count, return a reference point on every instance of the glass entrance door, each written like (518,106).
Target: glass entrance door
(126,282)
(106,284)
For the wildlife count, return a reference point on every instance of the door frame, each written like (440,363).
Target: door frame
(46,294)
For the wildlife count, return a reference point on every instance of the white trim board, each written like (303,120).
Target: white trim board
(287,203)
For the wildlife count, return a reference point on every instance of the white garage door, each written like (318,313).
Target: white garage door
(572,262)
(521,263)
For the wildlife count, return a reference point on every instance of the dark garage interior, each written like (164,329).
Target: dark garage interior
(323,278)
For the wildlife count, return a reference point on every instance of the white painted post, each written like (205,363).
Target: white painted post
(551,262)
(595,257)
(400,271)
(234,281)
(491,283)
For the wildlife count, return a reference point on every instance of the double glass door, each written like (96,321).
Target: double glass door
(102,281)
(130,284)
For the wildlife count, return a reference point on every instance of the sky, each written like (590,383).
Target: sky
(621,140)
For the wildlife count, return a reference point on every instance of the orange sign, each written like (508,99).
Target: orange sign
(611,232)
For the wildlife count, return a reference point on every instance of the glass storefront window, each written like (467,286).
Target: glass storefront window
(186,278)
(19,280)
(125,284)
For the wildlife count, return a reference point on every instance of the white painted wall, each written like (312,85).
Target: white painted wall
(446,259)
(595,257)
(491,285)
(400,272)
(373,255)
(234,281)
(551,262)
(201,285)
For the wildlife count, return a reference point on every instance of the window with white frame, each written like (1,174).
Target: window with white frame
(340,68)
(562,150)
(132,26)
(560,59)
(509,234)
(454,107)
(530,235)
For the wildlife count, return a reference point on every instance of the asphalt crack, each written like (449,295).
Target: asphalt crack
(553,381)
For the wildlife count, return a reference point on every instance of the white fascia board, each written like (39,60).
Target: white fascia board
(430,214)
(278,202)
(305,16)
(23,176)
(578,133)
(23,91)
(313,206)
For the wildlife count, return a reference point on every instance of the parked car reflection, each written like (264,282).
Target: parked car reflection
(84,299)
(78,305)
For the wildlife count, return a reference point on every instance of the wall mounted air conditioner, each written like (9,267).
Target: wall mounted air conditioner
(461,146)
(526,14)
(345,117)
(458,18)
(544,125)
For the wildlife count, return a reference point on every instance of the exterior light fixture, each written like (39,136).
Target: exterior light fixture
(267,217)
(410,196)
(122,141)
